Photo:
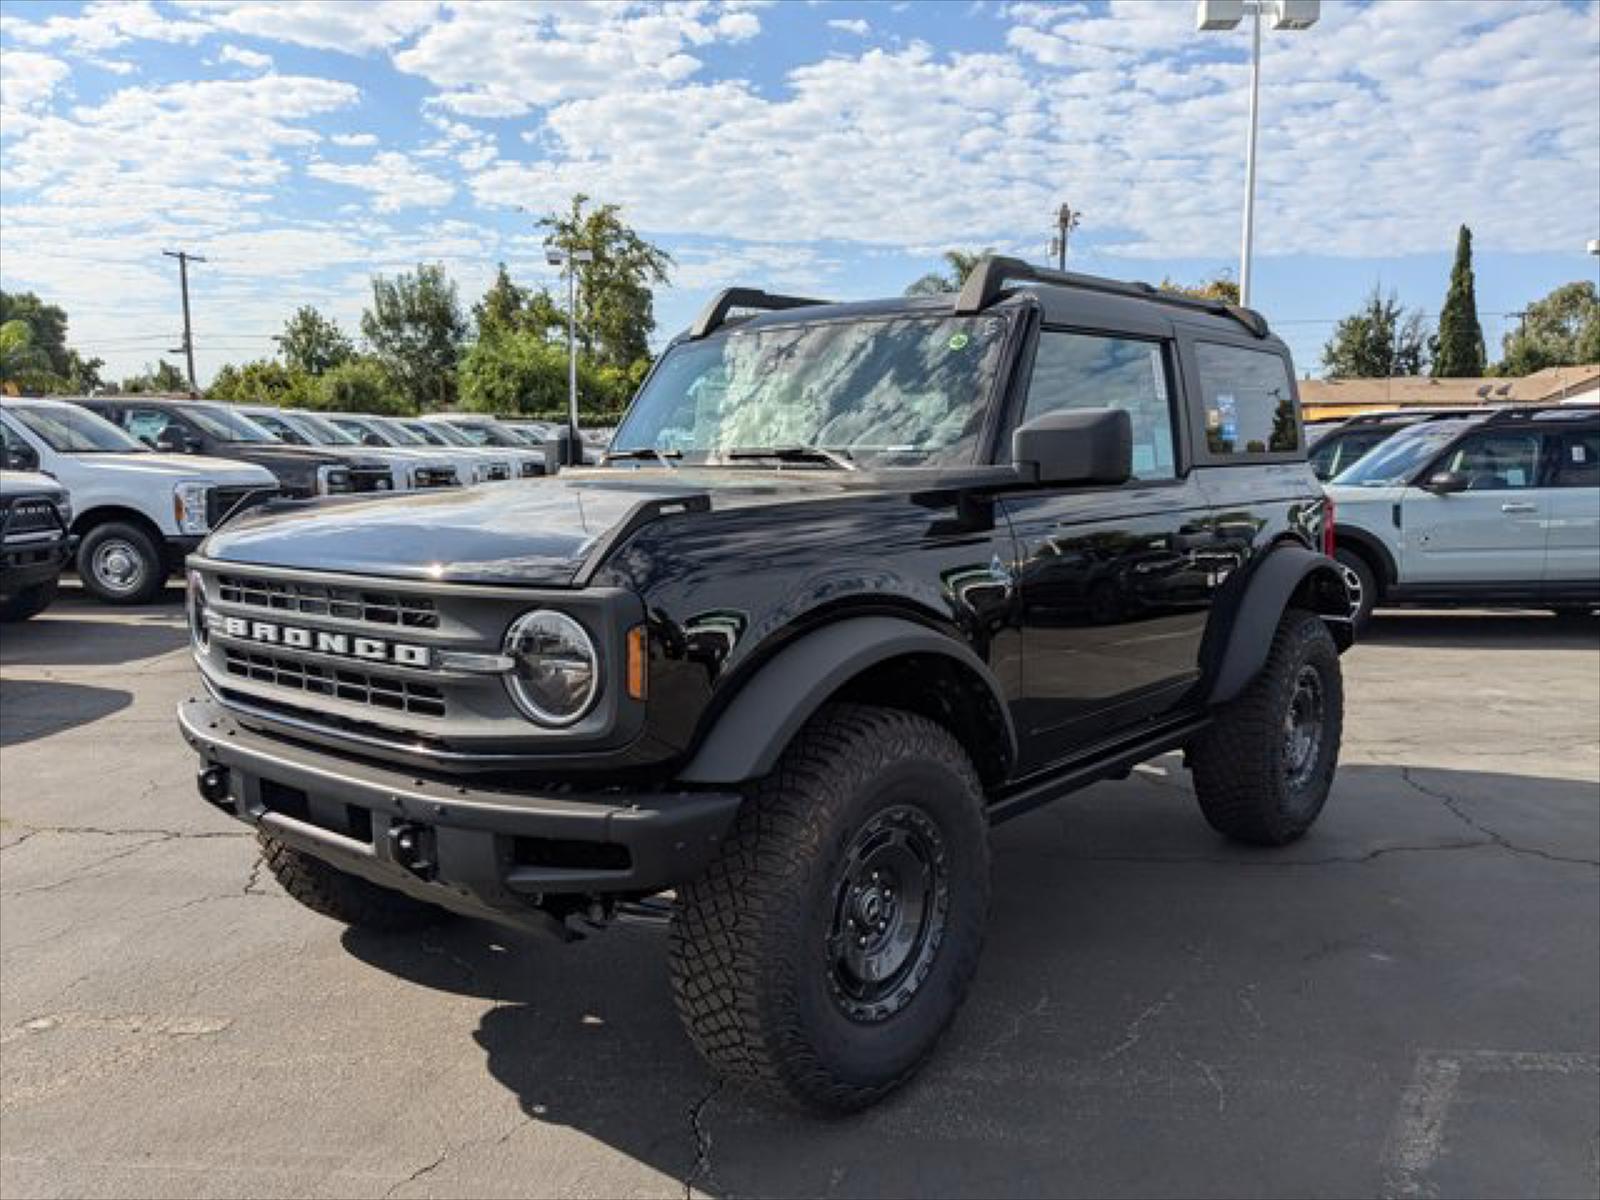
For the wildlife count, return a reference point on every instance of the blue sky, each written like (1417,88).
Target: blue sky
(830,148)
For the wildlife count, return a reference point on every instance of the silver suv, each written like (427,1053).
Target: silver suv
(1497,509)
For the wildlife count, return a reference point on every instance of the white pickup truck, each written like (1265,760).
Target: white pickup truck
(136,512)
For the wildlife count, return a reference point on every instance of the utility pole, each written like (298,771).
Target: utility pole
(184,259)
(1066,222)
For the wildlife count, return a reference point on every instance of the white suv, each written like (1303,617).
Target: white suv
(1494,509)
(137,512)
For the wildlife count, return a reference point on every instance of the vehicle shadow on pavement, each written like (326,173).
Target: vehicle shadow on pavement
(1155,1042)
(1483,631)
(36,708)
(58,639)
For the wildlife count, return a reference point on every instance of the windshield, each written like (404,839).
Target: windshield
(482,433)
(1396,459)
(900,391)
(432,434)
(399,432)
(68,429)
(321,430)
(361,430)
(225,424)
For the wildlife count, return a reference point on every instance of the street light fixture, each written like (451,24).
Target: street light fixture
(1226,14)
(570,260)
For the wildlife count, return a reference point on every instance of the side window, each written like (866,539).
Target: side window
(1080,370)
(1249,401)
(273,425)
(1496,462)
(1577,462)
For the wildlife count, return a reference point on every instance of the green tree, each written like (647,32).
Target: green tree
(67,370)
(1376,341)
(24,364)
(1459,350)
(958,265)
(616,308)
(508,308)
(313,343)
(264,381)
(1221,286)
(512,372)
(360,385)
(416,329)
(162,378)
(1561,330)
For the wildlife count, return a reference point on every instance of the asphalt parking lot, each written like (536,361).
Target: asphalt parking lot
(1405,1004)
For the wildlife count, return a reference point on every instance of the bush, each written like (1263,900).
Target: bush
(360,385)
(262,382)
(509,372)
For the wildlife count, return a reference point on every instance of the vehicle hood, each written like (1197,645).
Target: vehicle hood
(177,466)
(308,457)
(1345,495)
(533,531)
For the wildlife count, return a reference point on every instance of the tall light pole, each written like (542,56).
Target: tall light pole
(1226,14)
(570,260)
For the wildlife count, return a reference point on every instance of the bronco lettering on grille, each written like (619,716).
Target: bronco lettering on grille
(323,642)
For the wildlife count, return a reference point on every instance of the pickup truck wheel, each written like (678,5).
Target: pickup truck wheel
(121,564)
(1361,583)
(823,953)
(342,896)
(1263,768)
(29,602)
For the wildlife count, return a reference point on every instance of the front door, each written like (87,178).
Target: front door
(1494,532)
(1112,583)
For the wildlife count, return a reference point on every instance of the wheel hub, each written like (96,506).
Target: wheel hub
(117,566)
(891,898)
(1302,727)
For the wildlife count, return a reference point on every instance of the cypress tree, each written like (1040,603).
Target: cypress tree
(1460,346)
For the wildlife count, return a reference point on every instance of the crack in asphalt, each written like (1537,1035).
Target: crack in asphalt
(425,1169)
(701,1168)
(1453,803)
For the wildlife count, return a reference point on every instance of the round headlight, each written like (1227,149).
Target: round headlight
(555,674)
(199,631)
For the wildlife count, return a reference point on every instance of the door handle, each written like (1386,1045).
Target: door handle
(1519,508)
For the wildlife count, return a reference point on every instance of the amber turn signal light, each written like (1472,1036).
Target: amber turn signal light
(638,663)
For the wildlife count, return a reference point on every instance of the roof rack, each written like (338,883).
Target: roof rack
(1418,415)
(989,277)
(715,315)
(1532,412)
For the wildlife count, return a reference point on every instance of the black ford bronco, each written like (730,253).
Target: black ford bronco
(855,582)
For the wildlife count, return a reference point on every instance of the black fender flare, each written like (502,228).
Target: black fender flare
(1268,590)
(762,718)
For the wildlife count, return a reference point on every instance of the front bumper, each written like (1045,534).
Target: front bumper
(25,564)
(478,851)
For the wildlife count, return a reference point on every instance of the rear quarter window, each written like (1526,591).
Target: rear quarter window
(1248,401)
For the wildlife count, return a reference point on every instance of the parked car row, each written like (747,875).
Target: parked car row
(122,488)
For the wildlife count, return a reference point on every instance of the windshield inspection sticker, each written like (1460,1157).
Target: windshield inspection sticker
(958,341)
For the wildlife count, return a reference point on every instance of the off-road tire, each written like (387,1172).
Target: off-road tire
(752,974)
(1366,579)
(1240,761)
(152,578)
(29,602)
(337,894)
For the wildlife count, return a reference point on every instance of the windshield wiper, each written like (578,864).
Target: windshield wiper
(816,454)
(640,453)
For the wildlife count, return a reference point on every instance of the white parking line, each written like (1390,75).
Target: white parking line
(1417,1134)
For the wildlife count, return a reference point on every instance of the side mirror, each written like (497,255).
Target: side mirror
(372,439)
(21,457)
(1444,483)
(1080,445)
(169,444)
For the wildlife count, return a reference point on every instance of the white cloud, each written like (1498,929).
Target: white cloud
(252,60)
(853,25)
(504,61)
(353,139)
(321,24)
(104,25)
(28,79)
(393,179)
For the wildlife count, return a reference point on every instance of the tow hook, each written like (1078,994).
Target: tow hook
(412,847)
(213,785)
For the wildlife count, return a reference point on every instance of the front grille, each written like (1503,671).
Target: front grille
(340,683)
(529,469)
(220,501)
(435,477)
(31,515)
(497,470)
(371,479)
(322,600)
